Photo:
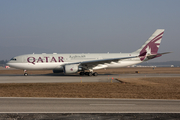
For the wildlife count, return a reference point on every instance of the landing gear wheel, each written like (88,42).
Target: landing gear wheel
(81,73)
(25,74)
(86,73)
(90,74)
(95,74)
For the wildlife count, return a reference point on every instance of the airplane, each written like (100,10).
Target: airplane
(79,63)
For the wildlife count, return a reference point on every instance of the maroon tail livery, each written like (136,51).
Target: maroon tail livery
(150,49)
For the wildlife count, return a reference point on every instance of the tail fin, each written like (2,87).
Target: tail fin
(151,46)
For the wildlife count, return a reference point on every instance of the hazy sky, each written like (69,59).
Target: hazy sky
(87,26)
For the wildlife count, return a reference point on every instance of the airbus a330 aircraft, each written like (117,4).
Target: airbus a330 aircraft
(74,63)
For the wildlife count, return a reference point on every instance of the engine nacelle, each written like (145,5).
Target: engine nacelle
(73,68)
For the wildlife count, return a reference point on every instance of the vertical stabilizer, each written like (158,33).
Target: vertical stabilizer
(151,46)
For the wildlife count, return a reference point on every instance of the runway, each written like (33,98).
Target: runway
(77,105)
(86,105)
(59,78)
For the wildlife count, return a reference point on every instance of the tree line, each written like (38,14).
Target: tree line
(3,61)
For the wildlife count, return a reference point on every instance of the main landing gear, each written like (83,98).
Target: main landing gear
(25,73)
(88,73)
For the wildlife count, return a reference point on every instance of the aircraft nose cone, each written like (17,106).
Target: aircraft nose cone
(9,64)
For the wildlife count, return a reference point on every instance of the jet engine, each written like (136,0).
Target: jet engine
(73,68)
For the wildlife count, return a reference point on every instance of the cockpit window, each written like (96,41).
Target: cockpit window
(13,59)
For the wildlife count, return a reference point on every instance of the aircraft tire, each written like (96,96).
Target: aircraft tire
(95,74)
(86,73)
(90,74)
(25,74)
(82,73)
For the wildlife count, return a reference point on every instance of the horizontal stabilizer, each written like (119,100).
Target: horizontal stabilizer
(155,55)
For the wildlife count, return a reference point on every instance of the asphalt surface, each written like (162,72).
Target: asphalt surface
(77,105)
(71,108)
(60,78)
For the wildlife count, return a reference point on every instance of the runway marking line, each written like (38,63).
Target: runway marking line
(112,104)
(104,99)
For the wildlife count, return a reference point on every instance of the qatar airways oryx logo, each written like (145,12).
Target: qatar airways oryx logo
(152,47)
(33,60)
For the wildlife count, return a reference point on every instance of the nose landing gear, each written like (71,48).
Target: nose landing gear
(25,73)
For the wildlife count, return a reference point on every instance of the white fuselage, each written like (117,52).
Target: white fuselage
(56,61)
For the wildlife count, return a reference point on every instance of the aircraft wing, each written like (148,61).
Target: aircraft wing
(94,63)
